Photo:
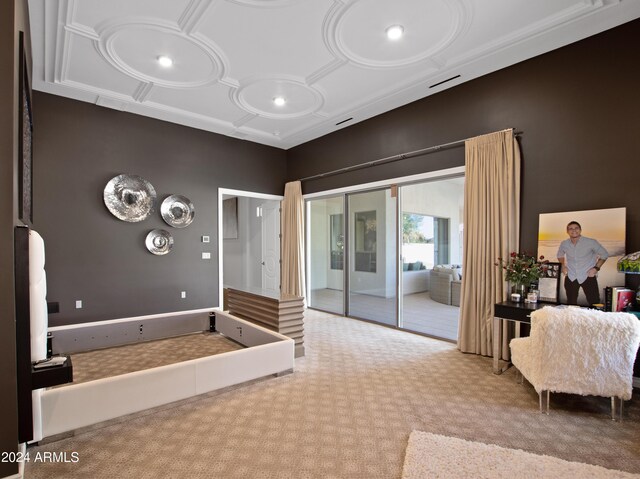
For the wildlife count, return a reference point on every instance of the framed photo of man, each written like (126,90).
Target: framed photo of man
(588,245)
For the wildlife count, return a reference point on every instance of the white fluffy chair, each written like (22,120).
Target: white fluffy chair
(579,351)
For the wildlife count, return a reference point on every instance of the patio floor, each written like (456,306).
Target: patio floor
(420,313)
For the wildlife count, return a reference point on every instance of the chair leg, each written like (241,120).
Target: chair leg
(620,406)
(519,377)
(544,398)
(540,400)
(548,400)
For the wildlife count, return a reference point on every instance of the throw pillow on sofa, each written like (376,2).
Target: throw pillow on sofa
(454,270)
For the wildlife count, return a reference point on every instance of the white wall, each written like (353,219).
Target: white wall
(242,265)
(335,277)
(253,258)
(321,274)
(377,283)
(234,270)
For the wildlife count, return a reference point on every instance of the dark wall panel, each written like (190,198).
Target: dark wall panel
(13,19)
(94,257)
(577,108)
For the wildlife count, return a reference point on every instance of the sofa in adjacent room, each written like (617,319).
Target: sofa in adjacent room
(415,278)
(445,282)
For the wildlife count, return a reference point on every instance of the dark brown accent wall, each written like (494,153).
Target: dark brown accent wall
(13,19)
(94,257)
(577,108)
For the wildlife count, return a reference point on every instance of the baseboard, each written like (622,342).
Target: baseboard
(104,334)
(636,382)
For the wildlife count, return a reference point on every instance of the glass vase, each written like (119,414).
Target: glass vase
(518,292)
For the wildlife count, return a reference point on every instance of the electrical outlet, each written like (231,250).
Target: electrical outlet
(79,304)
(183,294)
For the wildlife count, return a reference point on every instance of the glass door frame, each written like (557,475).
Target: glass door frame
(396,183)
(347,292)
(307,250)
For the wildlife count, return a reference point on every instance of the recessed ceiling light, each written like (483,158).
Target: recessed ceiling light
(279,101)
(394,32)
(165,61)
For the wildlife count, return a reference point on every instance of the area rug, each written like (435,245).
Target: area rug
(434,456)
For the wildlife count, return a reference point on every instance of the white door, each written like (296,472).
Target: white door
(271,245)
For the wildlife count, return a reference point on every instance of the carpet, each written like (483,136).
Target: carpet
(434,456)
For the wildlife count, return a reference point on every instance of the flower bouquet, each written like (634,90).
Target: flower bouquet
(522,269)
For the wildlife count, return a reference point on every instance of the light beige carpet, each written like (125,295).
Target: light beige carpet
(346,413)
(109,362)
(435,456)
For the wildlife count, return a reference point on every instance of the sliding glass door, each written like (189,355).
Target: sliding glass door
(431,255)
(372,248)
(326,254)
(356,267)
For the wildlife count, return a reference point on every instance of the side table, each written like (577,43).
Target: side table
(510,311)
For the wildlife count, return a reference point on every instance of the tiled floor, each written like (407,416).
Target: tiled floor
(420,312)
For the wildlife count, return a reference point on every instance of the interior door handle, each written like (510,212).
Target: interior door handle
(262,263)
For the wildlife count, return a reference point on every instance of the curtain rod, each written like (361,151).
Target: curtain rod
(390,159)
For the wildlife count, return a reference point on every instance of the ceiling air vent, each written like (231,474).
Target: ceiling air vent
(344,121)
(444,81)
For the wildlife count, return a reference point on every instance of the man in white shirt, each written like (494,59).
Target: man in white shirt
(581,259)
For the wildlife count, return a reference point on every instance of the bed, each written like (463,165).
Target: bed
(61,409)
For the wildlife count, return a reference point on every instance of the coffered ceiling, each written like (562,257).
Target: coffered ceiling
(330,61)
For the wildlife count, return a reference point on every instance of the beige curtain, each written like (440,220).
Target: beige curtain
(292,243)
(491,231)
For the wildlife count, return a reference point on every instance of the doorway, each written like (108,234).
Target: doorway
(249,240)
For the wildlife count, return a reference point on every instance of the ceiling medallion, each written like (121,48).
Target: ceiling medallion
(257,97)
(353,31)
(127,45)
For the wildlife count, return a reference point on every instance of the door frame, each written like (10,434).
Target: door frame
(361,188)
(231,192)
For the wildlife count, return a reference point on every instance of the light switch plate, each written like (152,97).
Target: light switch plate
(205,239)
(206,255)
(79,304)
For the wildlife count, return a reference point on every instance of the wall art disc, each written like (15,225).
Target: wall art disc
(130,198)
(159,242)
(177,211)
